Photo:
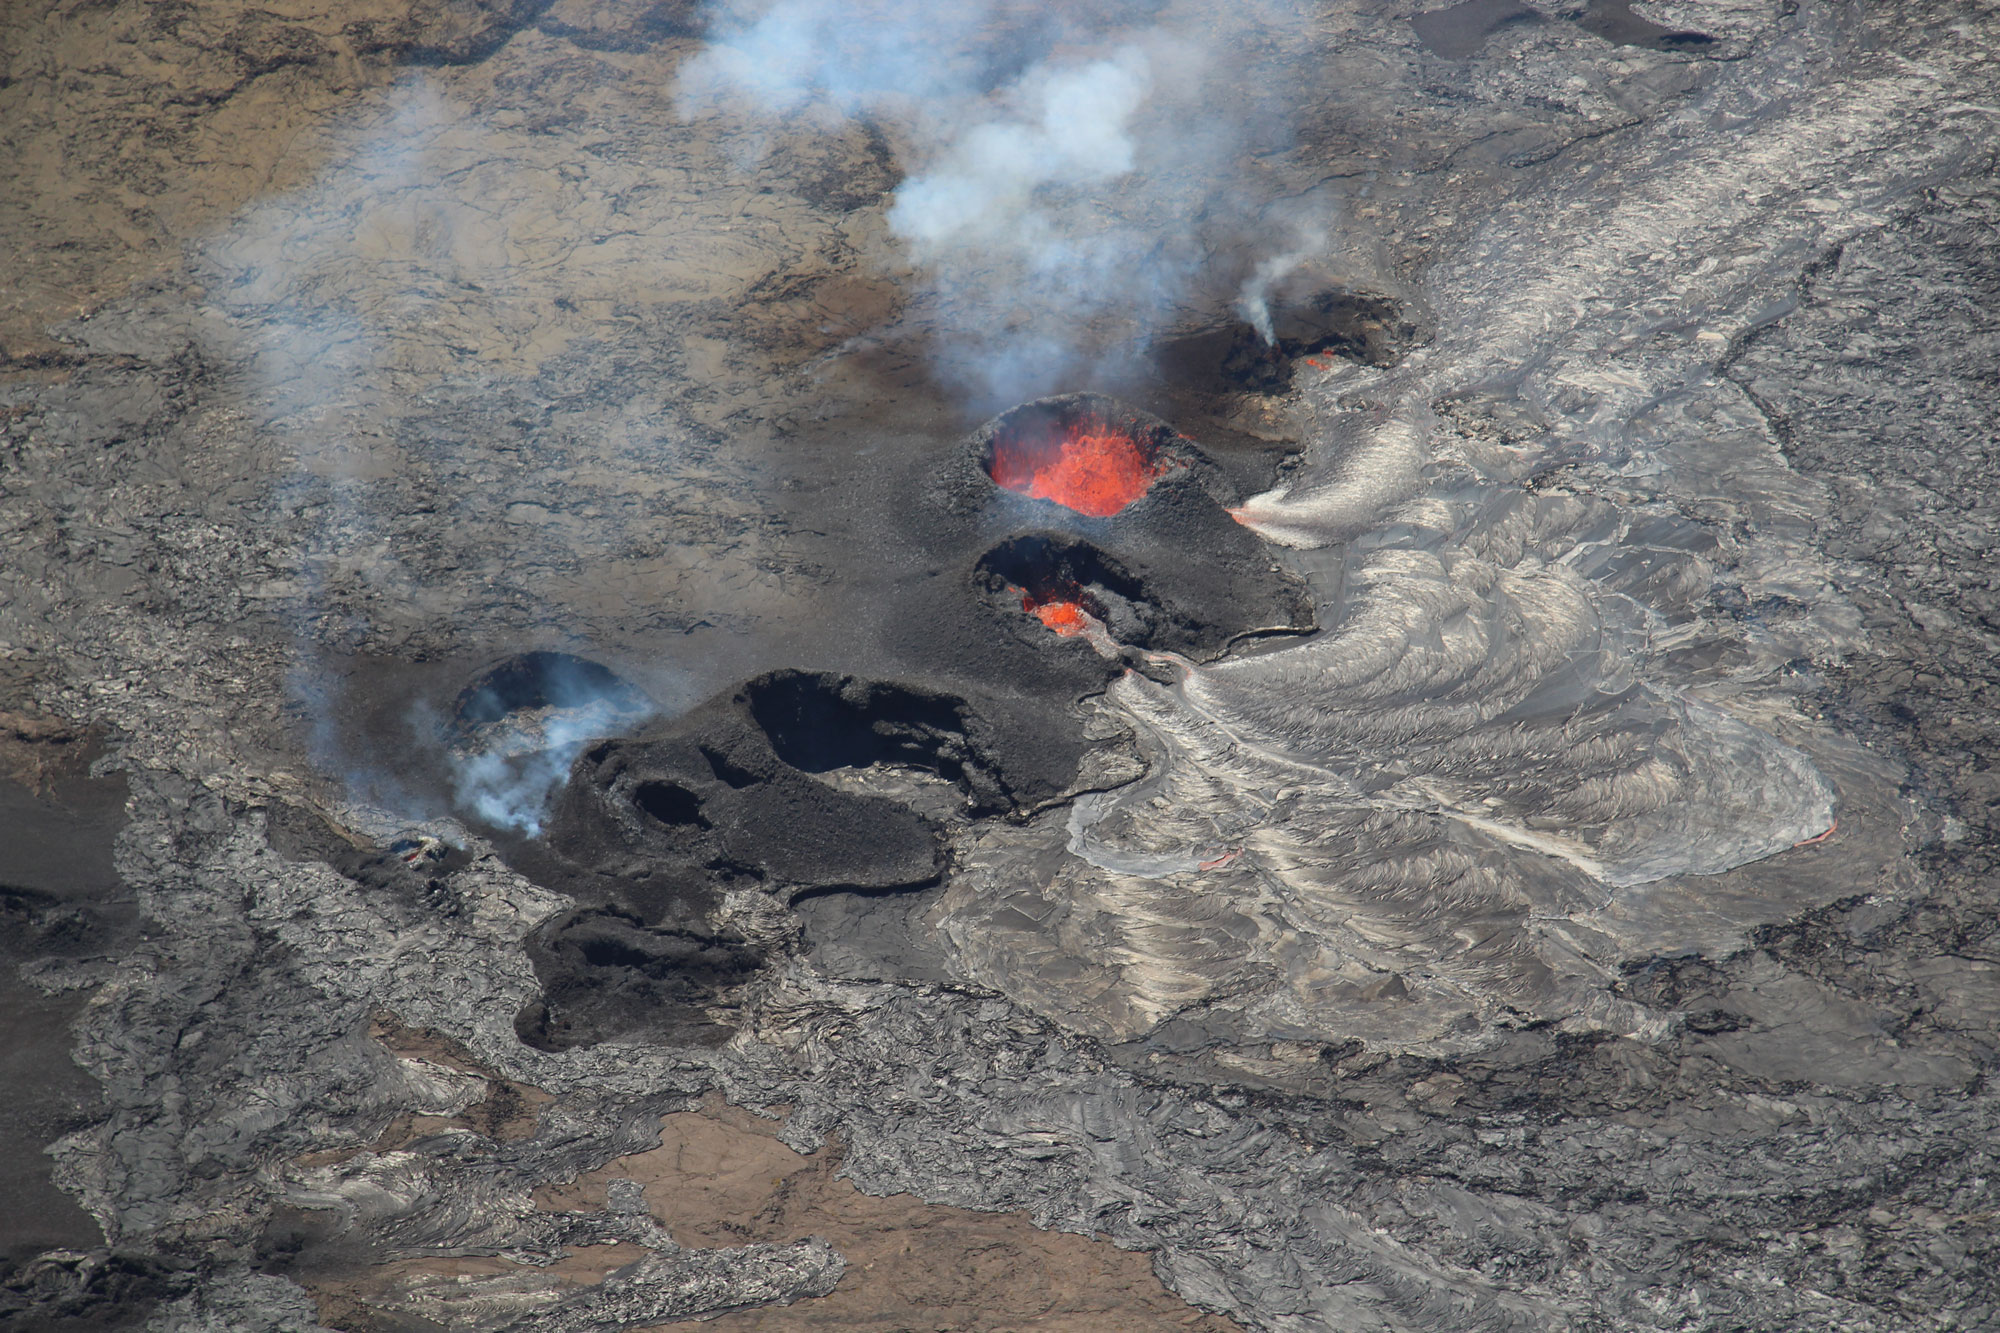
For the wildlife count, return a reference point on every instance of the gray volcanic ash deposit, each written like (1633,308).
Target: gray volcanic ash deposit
(1125,667)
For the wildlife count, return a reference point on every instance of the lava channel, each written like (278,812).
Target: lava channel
(1088,467)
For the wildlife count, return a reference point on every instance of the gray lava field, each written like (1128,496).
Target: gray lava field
(1142,665)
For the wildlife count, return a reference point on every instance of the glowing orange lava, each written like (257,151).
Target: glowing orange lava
(1092,469)
(1063,617)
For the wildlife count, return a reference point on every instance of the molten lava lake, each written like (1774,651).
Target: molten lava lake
(1065,616)
(1089,467)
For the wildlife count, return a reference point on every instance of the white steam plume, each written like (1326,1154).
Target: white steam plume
(1073,129)
(1068,171)
(1254,301)
(509,772)
(510,785)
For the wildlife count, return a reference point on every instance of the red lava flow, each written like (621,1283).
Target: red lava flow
(1093,469)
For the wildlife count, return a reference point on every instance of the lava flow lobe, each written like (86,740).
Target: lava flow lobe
(1087,466)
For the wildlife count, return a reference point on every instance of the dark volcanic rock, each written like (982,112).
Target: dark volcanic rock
(729,791)
(62,902)
(1310,315)
(1458,31)
(607,25)
(728,805)
(817,722)
(745,791)
(605,976)
(88,1291)
(446,32)
(1615,21)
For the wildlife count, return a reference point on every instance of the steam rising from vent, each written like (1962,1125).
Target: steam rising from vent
(1087,466)
(1067,175)
(509,784)
(1254,301)
(517,729)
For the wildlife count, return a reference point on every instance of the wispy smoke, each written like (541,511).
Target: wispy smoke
(516,735)
(1069,174)
(1253,302)
(1071,128)
(510,772)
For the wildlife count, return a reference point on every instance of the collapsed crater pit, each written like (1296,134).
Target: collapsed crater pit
(818,722)
(515,728)
(1066,583)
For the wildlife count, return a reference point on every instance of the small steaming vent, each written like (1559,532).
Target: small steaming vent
(516,728)
(1304,318)
(1074,455)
